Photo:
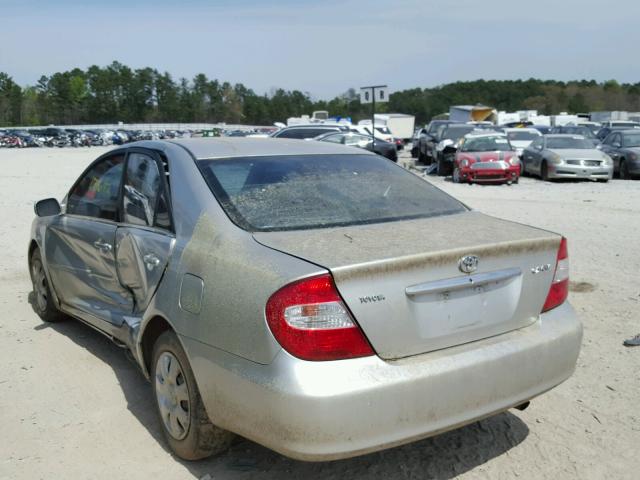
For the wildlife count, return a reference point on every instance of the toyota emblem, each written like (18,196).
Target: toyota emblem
(468,263)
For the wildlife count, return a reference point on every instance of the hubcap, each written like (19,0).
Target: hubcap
(172,395)
(39,285)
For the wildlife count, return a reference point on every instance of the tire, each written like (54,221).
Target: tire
(42,303)
(544,171)
(414,152)
(624,170)
(443,169)
(186,425)
(456,175)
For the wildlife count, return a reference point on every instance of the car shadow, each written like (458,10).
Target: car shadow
(444,456)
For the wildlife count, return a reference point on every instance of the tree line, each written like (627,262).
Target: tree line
(119,93)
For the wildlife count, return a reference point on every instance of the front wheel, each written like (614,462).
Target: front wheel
(624,170)
(185,422)
(544,172)
(456,175)
(42,302)
(441,168)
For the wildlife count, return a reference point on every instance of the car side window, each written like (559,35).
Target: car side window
(144,198)
(537,143)
(96,193)
(334,138)
(616,139)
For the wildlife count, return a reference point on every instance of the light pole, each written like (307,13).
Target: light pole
(368,95)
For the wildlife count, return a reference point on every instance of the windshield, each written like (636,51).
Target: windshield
(454,133)
(568,142)
(584,131)
(486,144)
(522,136)
(296,192)
(631,139)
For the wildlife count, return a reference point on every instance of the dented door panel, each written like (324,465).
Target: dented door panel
(141,258)
(81,260)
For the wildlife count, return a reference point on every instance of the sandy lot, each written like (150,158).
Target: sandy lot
(73,406)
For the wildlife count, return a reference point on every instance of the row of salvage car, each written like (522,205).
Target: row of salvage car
(484,153)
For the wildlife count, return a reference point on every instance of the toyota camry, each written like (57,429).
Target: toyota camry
(317,299)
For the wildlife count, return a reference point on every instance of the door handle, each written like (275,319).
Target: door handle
(103,246)
(151,261)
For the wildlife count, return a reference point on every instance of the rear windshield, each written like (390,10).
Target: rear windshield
(318,191)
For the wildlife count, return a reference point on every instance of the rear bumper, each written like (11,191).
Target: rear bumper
(330,410)
(578,171)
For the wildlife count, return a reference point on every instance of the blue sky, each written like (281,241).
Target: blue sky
(325,47)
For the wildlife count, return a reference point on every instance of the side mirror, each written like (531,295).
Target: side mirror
(47,207)
(616,145)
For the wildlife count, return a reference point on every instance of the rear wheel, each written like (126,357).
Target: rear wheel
(184,419)
(42,299)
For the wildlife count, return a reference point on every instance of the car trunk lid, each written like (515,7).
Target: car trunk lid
(404,284)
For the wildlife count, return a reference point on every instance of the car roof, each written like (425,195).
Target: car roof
(318,125)
(225,147)
(521,129)
(485,134)
(563,135)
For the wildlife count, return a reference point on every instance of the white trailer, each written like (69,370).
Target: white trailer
(400,125)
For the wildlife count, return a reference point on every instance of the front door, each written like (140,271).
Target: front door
(81,246)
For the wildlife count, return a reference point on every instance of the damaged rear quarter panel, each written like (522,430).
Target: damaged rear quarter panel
(239,274)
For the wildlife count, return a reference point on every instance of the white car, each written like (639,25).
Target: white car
(381,131)
(521,138)
(366,130)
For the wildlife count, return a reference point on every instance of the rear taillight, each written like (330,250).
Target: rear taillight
(560,286)
(310,321)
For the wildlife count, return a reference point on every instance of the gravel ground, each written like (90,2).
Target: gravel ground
(73,406)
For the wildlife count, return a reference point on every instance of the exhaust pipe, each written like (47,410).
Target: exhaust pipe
(522,406)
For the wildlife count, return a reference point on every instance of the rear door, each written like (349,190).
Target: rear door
(145,238)
(80,245)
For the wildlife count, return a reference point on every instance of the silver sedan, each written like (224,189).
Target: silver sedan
(566,156)
(314,298)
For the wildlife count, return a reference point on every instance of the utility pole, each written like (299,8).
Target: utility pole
(368,95)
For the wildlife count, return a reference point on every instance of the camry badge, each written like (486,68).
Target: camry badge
(468,263)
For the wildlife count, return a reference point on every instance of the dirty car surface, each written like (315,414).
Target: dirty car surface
(319,300)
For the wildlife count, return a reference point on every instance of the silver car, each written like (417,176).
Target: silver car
(314,298)
(566,156)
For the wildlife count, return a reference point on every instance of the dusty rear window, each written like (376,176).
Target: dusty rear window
(316,191)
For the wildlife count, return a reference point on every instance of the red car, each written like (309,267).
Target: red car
(486,158)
